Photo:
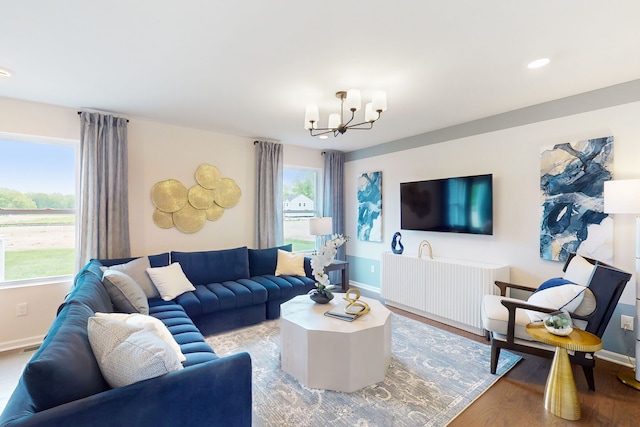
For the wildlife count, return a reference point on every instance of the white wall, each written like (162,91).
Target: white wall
(513,157)
(156,152)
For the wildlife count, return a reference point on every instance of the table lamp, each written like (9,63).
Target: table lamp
(320,226)
(623,197)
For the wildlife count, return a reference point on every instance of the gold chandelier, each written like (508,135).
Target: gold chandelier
(338,123)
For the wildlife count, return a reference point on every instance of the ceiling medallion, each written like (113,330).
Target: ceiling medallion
(338,123)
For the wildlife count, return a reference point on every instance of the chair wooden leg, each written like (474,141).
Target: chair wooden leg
(495,354)
(588,373)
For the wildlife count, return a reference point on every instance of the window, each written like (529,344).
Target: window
(300,203)
(37,208)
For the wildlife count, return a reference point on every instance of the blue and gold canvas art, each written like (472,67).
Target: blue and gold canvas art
(572,177)
(370,207)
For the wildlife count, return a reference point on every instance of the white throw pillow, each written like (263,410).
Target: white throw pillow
(150,324)
(579,271)
(137,270)
(126,295)
(170,281)
(290,264)
(568,297)
(127,354)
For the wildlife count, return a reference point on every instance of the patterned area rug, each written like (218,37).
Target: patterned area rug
(434,375)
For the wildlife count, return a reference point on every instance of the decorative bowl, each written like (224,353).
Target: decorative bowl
(559,323)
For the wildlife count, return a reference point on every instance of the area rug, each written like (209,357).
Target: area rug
(434,375)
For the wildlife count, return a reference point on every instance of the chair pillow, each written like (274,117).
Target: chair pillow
(126,295)
(137,270)
(290,264)
(588,304)
(170,281)
(579,271)
(127,354)
(567,296)
(151,324)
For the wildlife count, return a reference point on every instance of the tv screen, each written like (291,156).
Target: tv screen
(458,205)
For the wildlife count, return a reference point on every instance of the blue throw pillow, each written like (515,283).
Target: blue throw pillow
(551,283)
(264,261)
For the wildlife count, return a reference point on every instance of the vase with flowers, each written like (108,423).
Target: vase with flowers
(322,294)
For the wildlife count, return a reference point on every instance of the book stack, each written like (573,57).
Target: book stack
(345,311)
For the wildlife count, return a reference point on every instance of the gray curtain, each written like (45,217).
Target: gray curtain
(269,210)
(103,208)
(333,198)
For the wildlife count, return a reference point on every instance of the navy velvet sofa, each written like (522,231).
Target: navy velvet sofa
(62,384)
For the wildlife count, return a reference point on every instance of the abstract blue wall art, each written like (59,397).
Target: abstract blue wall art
(572,179)
(370,207)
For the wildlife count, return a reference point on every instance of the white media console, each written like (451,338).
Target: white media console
(445,290)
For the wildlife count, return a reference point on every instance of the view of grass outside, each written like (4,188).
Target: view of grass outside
(299,183)
(37,245)
(37,207)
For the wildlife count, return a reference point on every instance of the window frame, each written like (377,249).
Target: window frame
(46,140)
(318,205)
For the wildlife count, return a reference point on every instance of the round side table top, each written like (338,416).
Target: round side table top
(577,340)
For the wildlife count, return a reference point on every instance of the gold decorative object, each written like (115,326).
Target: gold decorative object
(560,393)
(355,306)
(163,219)
(208,176)
(169,195)
(228,193)
(189,219)
(215,212)
(200,197)
(190,209)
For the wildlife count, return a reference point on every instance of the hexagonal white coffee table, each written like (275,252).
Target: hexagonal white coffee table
(327,353)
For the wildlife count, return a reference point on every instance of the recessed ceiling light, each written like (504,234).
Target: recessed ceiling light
(323,137)
(538,63)
(4,73)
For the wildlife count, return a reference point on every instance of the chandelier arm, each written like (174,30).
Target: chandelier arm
(353,114)
(355,127)
(324,131)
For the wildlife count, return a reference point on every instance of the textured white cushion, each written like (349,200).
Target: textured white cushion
(151,324)
(579,271)
(126,295)
(567,296)
(127,354)
(290,264)
(170,281)
(137,270)
(495,316)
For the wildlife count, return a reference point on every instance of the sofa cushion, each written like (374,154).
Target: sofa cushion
(264,261)
(202,268)
(567,296)
(158,260)
(90,291)
(127,354)
(126,295)
(64,369)
(137,270)
(170,281)
(290,264)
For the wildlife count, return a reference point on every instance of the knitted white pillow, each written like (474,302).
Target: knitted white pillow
(127,354)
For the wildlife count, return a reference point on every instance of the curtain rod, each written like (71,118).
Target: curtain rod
(80,112)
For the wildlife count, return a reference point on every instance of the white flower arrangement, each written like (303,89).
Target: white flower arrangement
(324,258)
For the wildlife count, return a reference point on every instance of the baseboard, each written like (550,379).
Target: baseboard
(620,359)
(363,286)
(22,343)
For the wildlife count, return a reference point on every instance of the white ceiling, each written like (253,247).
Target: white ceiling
(249,67)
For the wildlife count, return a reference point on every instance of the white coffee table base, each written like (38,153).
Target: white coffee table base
(326,353)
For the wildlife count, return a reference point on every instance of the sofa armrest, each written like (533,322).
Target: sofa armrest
(214,393)
(504,286)
(512,306)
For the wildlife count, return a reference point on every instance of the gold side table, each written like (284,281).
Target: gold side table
(560,393)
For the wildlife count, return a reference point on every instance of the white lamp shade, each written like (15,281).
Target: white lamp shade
(334,121)
(321,226)
(379,101)
(353,101)
(311,115)
(622,196)
(370,115)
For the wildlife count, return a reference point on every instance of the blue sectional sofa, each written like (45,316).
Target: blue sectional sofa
(62,384)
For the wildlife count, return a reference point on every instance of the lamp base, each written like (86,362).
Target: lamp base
(629,378)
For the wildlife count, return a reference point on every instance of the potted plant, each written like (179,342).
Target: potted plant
(322,294)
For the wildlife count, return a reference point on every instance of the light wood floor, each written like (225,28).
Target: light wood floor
(517,398)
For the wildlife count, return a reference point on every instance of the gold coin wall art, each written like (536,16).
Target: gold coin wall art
(189,209)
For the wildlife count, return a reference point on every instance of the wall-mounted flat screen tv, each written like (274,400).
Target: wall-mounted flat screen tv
(457,205)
